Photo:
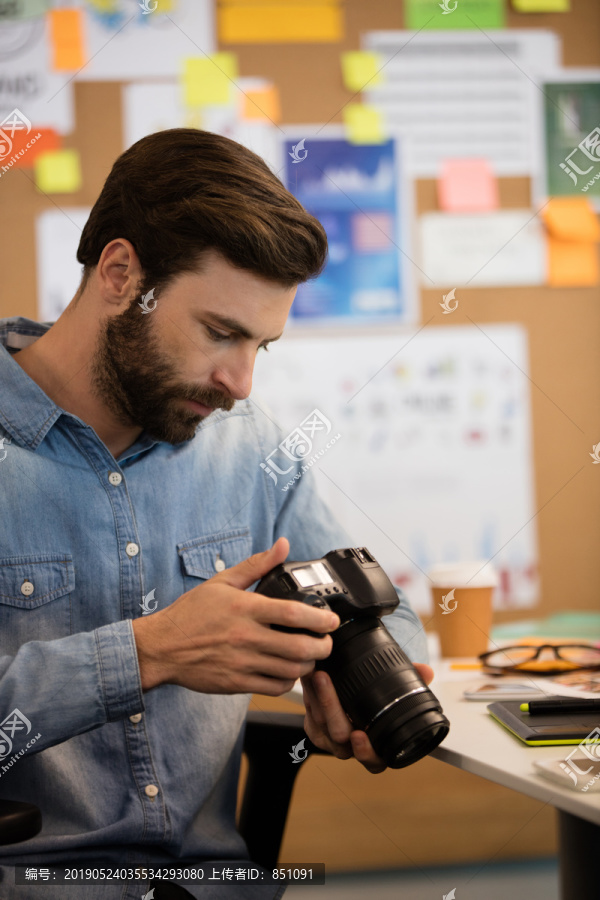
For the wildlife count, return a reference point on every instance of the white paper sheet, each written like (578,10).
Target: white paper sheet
(507,247)
(154,106)
(433,463)
(463,94)
(57,235)
(128,45)
(26,80)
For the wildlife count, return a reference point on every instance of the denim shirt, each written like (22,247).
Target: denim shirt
(121,775)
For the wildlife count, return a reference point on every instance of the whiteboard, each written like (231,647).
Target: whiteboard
(433,462)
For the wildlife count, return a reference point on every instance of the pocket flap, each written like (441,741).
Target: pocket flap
(30,581)
(200,556)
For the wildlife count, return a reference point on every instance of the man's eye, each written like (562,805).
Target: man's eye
(217,335)
(264,347)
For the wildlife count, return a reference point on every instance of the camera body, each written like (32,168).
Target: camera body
(379,688)
(350,582)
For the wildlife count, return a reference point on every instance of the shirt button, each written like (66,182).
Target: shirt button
(132,549)
(151,790)
(135,719)
(115,478)
(27,588)
(220,564)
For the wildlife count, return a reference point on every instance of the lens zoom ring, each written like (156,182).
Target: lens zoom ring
(384,660)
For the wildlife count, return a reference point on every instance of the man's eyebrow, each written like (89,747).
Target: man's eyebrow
(236,326)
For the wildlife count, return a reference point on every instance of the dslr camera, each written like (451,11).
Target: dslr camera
(379,688)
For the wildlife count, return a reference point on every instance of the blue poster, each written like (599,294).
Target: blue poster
(353,191)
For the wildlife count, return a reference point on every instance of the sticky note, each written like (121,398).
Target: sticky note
(66,39)
(58,172)
(242,22)
(262,105)
(364,124)
(41,140)
(361,69)
(467,185)
(571,219)
(527,6)
(209,79)
(25,9)
(450,14)
(572,263)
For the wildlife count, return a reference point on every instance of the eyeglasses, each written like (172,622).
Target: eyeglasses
(528,658)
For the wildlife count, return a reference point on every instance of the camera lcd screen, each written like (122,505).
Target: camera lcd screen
(307,576)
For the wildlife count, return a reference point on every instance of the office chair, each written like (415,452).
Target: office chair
(268,742)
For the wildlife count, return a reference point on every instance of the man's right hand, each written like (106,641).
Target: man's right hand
(216,638)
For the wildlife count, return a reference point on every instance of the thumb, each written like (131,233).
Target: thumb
(253,568)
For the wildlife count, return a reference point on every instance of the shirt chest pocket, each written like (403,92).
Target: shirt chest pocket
(203,557)
(35,602)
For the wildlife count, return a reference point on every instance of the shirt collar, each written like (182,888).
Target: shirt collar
(28,414)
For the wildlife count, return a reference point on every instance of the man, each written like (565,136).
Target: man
(136,516)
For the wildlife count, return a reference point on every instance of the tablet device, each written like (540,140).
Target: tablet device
(547,728)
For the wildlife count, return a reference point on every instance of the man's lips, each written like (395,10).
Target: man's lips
(199,408)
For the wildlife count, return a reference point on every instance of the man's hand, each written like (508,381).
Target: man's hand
(328,726)
(217,639)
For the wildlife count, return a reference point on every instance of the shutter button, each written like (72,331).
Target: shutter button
(115,478)
(27,588)
(220,564)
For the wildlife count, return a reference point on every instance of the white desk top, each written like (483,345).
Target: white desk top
(478,744)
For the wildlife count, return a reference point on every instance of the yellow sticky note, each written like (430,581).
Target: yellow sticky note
(364,124)
(527,6)
(572,263)
(66,39)
(285,22)
(262,105)
(571,219)
(209,79)
(360,69)
(58,172)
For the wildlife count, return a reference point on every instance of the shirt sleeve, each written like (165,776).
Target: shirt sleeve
(313,531)
(73,684)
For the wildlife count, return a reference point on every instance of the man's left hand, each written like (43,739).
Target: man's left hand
(328,726)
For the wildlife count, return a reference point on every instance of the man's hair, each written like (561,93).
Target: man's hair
(180,192)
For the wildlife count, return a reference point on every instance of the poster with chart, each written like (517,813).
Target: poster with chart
(358,194)
(434,459)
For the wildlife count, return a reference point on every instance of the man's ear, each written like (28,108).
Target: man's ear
(118,272)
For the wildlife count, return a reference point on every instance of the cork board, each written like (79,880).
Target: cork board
(563,324)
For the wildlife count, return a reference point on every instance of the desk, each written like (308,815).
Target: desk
(478,744)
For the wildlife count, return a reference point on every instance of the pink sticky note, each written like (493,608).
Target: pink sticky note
(467,185)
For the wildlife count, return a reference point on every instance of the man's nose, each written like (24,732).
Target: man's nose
(235,378)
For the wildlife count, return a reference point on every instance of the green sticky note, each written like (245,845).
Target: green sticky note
(58,172)
(527,6)
(209,80)
(22,9)
(360,69)
(364,124)
(450,14)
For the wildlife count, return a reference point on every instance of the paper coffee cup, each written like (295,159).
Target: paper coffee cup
(462,606)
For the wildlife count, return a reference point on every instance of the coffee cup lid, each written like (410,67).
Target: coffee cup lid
(474,573)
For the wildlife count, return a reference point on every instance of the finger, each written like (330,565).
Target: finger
(253,568)
(292,614)
(365,754)
(337,723)
(425,671)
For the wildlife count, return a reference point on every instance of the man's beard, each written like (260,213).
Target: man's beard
(137,381)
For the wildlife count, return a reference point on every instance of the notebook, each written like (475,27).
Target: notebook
(547,728)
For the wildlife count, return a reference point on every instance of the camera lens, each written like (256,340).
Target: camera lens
(383,694)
